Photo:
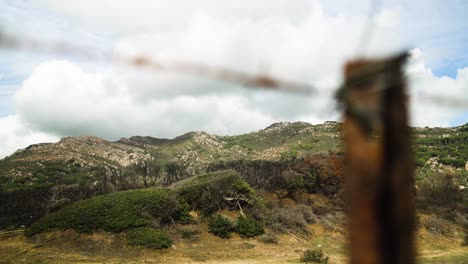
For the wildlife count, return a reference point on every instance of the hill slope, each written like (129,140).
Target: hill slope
(44,177)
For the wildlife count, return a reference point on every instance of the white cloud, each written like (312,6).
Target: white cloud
(295,40)
(389,17)
(292,40)
(425,85)
(60,97)
(15,135)
(162,15)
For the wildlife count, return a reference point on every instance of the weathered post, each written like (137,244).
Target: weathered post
(379,164)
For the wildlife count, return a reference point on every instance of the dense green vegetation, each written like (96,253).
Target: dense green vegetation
(249,227)
(451,150)
(314,256)
(449,145)
(213,192)
(148,237)
(46,174)
(136,211)
(245,226)
(220,226)
(116,212)
(291,136)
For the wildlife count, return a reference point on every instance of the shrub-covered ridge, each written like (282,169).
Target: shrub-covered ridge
(116,212)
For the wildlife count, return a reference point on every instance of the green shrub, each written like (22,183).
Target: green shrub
(249,227)
(207,192)
(116,212)
(421,161)
(314,256)
(190,233)
(220,226)
(148,237)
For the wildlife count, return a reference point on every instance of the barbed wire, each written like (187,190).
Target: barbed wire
(369,25)
(249,80)
(253,81)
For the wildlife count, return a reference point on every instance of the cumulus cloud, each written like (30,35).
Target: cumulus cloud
(162,15)
(292,40)
(16,134)
(61,98)
(424,85)
(295,40)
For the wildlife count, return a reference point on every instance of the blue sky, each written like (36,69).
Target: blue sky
(47,96)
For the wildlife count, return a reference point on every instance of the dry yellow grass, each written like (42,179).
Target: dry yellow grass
(71,247)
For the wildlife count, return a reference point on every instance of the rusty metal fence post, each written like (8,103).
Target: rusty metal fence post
(379,166)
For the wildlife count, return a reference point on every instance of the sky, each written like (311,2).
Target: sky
(45,95)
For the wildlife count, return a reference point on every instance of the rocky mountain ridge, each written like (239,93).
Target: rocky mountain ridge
(194,151)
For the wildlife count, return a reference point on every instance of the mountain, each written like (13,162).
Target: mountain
(72,158)
(76,168)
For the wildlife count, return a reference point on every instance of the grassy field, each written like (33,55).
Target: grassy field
(455,259)
(102,247)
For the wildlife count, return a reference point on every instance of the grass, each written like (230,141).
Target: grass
(457,259)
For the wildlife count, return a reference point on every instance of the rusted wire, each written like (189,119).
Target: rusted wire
(249,80)
(253,81)
(368,30)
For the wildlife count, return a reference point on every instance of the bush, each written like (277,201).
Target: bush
(332,220)
(442,188)
(208,192)
(314,256)
(268,239)
(249,227)
(116,212)
(291,218)
(148,237)
(190,233)
(220,226)
(438,226)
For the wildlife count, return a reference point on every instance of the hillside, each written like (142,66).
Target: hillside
(79,167)
(186,193)
(79,159)
(74,159)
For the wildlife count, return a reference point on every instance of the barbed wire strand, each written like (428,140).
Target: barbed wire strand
(366,35)
(248,80)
